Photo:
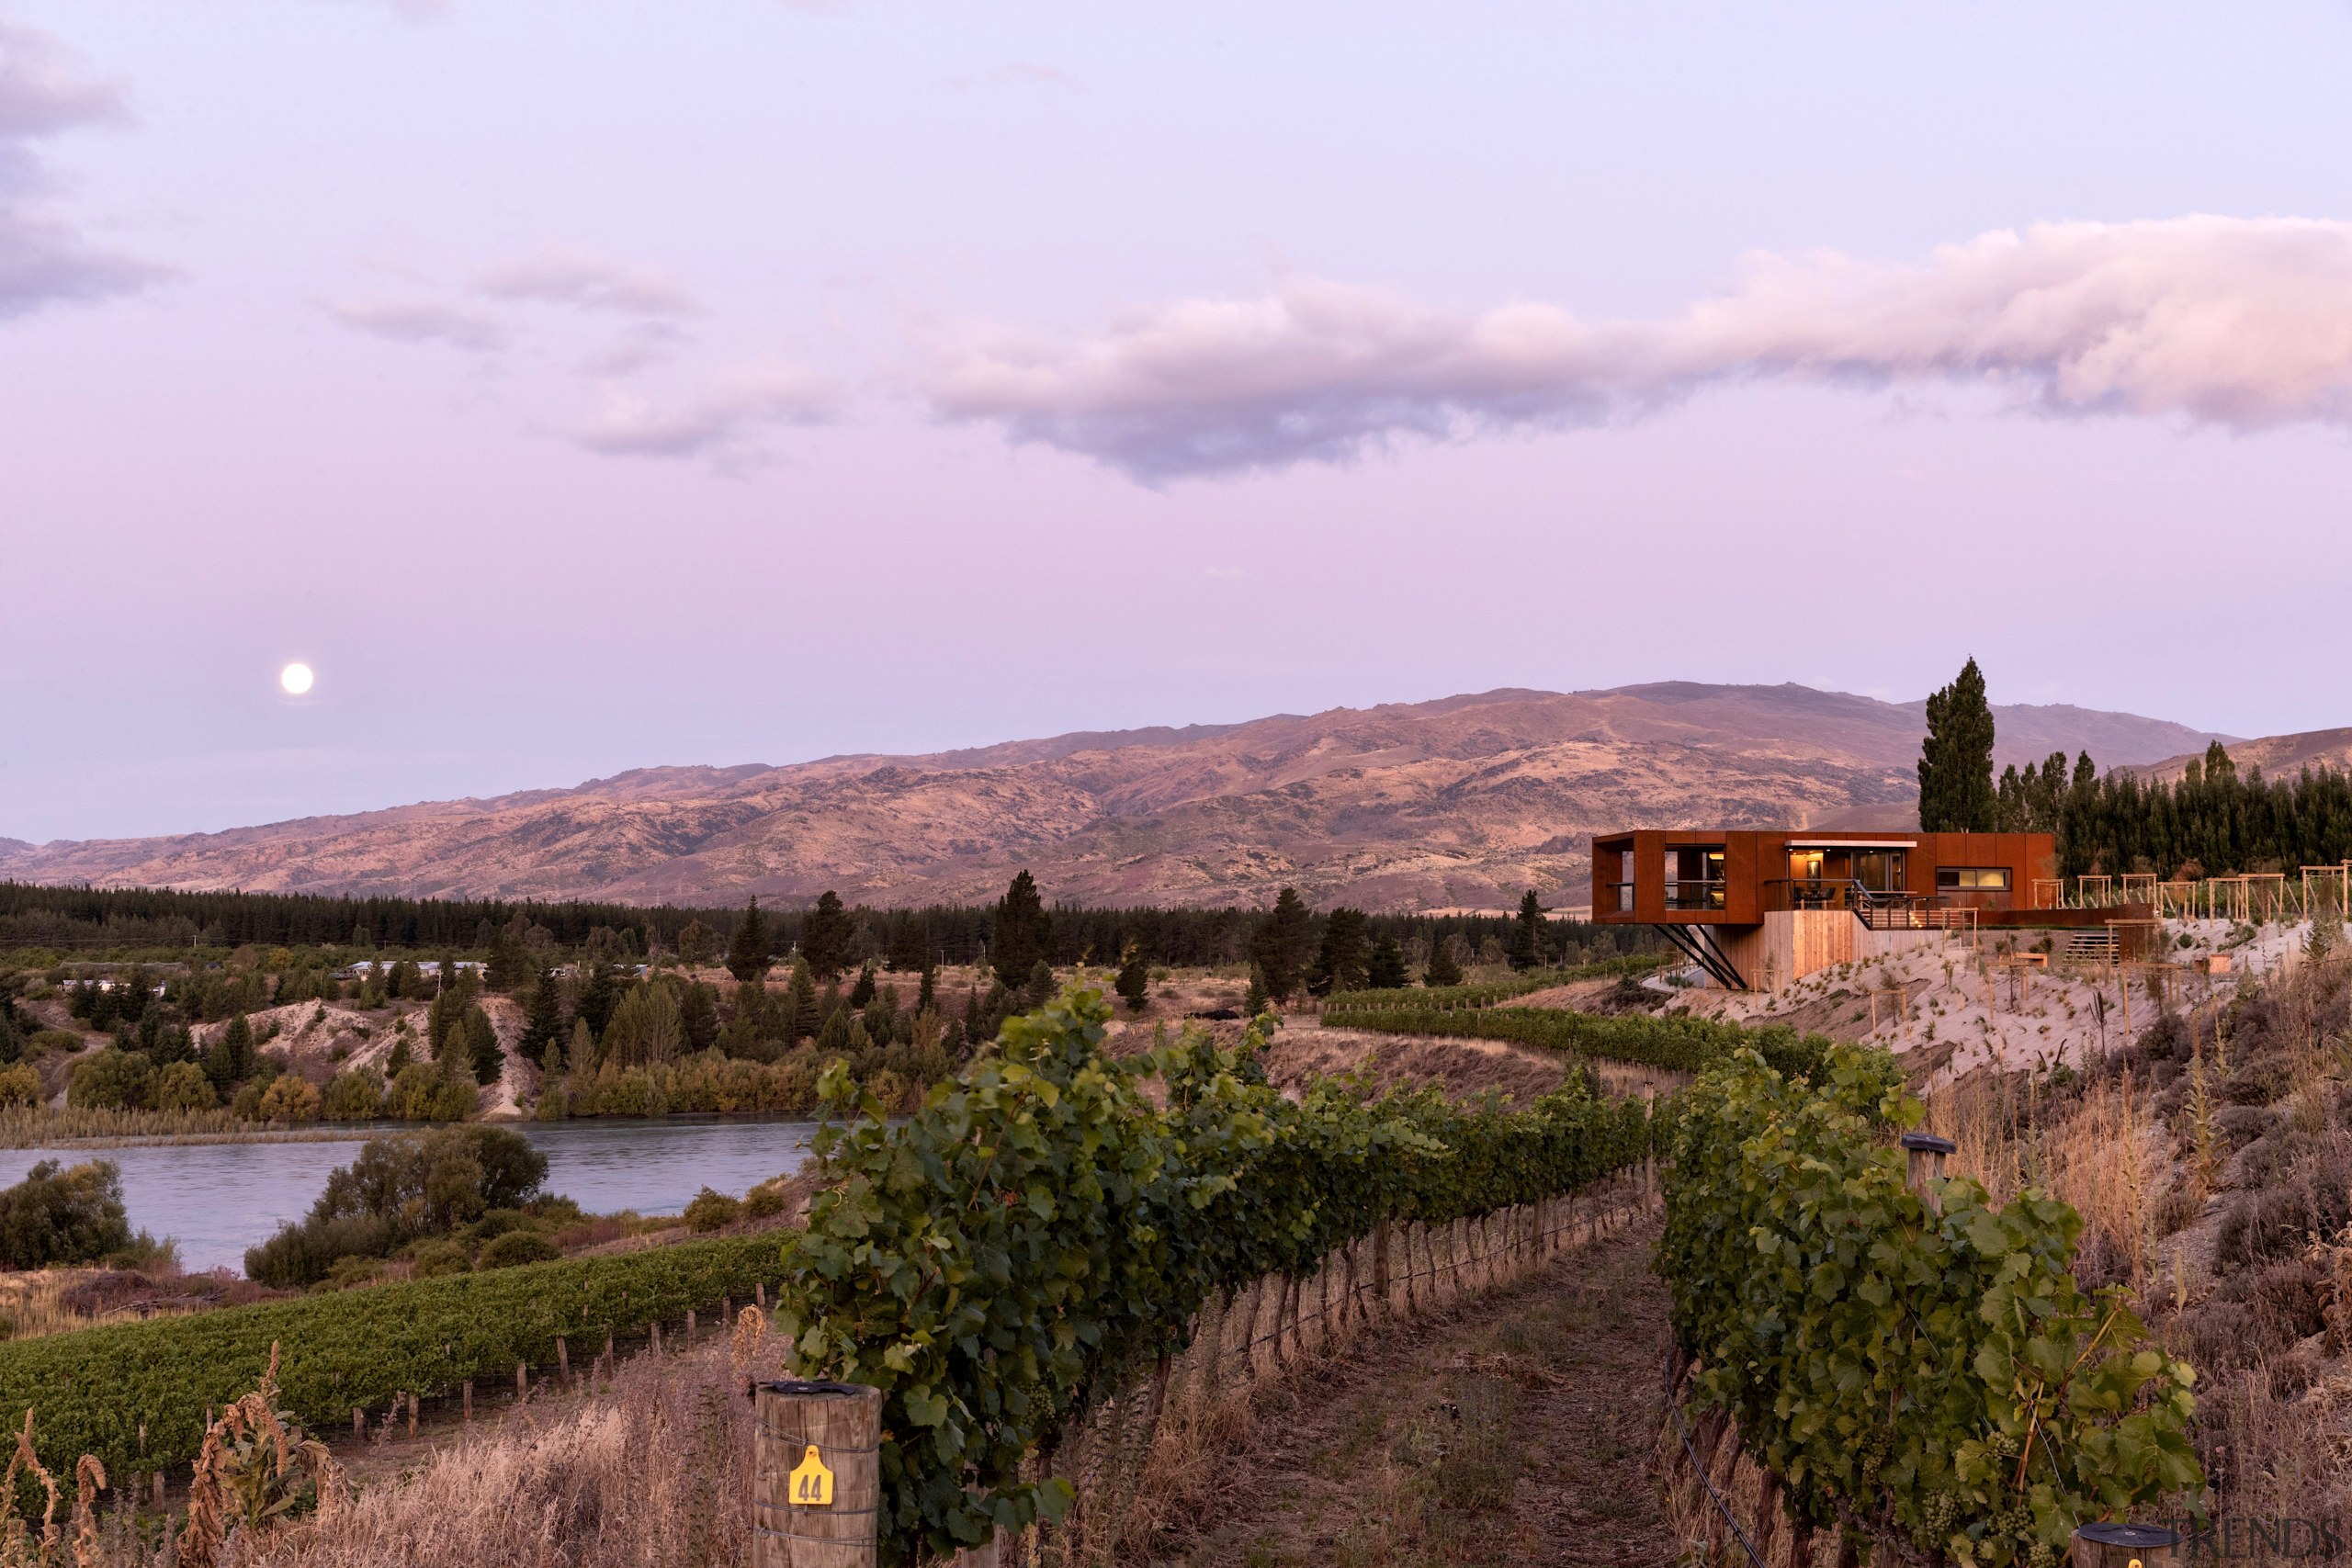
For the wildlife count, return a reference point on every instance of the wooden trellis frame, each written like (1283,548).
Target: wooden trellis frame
(2094,892)
(2334,882)
(2265,894)
(2180,896)
(2140,883)
(2048,893)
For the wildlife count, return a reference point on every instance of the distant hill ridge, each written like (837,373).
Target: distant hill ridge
(1456,803)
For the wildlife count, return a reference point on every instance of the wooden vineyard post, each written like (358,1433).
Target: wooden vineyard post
(412,1414)
(816,1476)
(1927,1153)
(522,1382)
(563,1361)
(467,1388)
(2126,1546)
(1380,1266)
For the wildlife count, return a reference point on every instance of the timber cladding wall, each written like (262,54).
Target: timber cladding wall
(1789,944)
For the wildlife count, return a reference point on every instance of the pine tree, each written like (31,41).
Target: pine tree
(1340,964)
(545,1027)
(1956,793)
(1281,944)
(695,944)
(1258,998)
(598,996)
(1527,933)
(972,1017)
(1040,989)
(862,990)
(825,936)
(231,1060)
(749,951)
(1022,935)
(927,994)
(1385,969)
(833,1040)
(510,962)
(481,1047)
(1133,982)
(1444,968)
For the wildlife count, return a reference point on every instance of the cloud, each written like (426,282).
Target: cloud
(419,322)
(44,258)
(40,93)
(722,422)
(589,282)
(2245,323)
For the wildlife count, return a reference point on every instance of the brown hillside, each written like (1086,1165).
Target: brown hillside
(1456,803)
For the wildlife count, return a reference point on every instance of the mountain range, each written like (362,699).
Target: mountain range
(1454,803)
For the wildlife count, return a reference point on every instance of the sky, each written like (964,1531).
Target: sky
(578,386)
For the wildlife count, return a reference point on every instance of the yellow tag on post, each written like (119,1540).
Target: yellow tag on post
(812,1483)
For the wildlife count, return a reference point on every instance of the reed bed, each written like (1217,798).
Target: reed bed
(37,1127)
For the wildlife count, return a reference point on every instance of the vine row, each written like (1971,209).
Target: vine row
(1049,1225)
(1684,1045)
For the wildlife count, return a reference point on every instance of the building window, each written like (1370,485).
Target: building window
(1694,877)
(1972,879)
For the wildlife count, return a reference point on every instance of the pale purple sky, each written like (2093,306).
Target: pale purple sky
(583,386)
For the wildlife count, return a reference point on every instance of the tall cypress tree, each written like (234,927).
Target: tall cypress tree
(1385,972)
(1444,969)
(1956,759)
(751,950)
(1023,933)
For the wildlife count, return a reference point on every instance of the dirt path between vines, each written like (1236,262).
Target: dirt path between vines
(1516,1430)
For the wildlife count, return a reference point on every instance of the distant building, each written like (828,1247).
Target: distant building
(1756,909)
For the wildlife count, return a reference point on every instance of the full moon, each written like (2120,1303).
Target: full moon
(296,679)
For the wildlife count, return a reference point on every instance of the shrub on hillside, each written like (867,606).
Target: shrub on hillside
(517,1247)
(111,1080)
(57,1215)
(182,1086)
(400,1189)
(289,1100)
(19,1085)
(710,1210)
(357,1095)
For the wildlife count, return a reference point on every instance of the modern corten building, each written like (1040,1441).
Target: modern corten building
(1757,910)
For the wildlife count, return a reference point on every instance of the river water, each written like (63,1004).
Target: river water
(216,1200)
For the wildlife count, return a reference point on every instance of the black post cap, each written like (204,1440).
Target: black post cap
(1929,1142)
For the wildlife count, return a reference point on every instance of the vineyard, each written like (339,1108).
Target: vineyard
(1929,1374)
(1680,1044)
(137,1394)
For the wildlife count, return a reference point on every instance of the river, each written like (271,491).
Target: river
(216,1200)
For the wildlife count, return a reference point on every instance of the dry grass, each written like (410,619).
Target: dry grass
(654,1471)
(2208,1158)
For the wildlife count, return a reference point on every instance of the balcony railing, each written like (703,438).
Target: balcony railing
(1695,895)
(1617,896)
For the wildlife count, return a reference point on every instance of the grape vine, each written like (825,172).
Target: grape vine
(1938,1375)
